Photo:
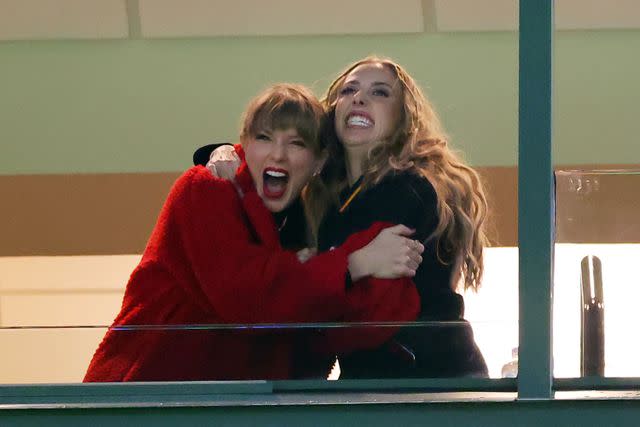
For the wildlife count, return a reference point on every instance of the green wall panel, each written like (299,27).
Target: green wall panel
(143,105)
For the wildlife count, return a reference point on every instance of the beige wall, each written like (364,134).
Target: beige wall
(54,312)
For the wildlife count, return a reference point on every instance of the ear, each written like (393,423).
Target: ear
(320,162)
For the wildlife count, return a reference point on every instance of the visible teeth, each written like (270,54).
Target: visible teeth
(359,121)
(275,174)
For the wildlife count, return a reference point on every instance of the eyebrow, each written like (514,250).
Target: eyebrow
(373,84)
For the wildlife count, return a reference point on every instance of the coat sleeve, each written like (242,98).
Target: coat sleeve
(241,272)
(370,300)
(410,201)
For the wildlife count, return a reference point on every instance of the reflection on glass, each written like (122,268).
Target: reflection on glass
(275,352)
(595,289)
(53,318)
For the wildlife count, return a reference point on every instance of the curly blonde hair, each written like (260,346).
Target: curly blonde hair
(419,144)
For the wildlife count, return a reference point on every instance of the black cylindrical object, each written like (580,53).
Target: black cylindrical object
(592,325)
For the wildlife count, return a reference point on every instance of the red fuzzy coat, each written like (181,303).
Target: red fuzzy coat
(215,258)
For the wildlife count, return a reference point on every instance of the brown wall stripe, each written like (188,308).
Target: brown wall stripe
(104,214)
(101,214)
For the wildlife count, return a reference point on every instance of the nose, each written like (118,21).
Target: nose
(278,150)
(358,98)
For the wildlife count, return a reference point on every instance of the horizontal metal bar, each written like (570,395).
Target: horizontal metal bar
(128,392)
(249,326)
(596,383)
(224,392)
(413,384)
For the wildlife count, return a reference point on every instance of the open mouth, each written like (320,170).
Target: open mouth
(274,182)
(359,120)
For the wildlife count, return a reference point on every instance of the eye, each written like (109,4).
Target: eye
(298,143)
(380,92)
(347,90)
(263,137)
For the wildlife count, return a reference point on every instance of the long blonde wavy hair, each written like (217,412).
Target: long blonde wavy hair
(419,144)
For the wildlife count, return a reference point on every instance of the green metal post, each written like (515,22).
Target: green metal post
(535,199)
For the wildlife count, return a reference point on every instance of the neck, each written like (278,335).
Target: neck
(354,158)
(280,218)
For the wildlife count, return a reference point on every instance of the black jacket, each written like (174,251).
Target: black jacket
(431,348)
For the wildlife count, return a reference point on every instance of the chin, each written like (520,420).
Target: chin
(276,206)
(276,209)
(356,139)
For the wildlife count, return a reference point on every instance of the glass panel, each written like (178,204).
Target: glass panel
(493,312)
(596,289)
(34,355)
(597,182)
(52,322)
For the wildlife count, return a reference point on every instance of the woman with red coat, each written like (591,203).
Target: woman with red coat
(214,259)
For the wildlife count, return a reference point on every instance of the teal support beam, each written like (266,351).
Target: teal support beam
(535,199)
(583,413)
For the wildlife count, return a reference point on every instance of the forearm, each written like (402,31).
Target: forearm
(371,300)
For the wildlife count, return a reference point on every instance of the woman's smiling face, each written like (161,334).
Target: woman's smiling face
(368,105)
(281,164)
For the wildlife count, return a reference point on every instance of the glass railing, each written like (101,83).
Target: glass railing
(596,288)
(229,352)
(55,311)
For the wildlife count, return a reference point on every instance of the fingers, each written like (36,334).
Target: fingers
(403,270)
(224,152)
(407,259)
(418,260)
(414,247)
(212,168)
(409,263)
(412,263)
(224,162)
(402,267)
(395,255)
(401,230)
(226,169)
